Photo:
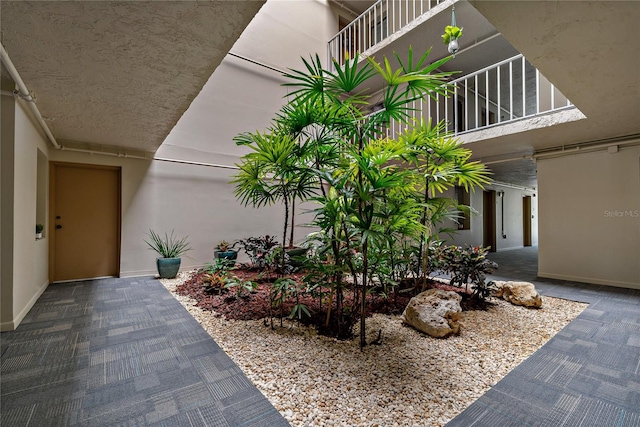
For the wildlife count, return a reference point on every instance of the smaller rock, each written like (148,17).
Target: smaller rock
(518,293)
(434,312)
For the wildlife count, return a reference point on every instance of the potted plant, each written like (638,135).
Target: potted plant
(296,255)
(450,37)
(39,229)
(224,250)
(170,249)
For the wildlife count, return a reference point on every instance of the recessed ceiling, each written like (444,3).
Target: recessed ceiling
(522,172)
(119,73)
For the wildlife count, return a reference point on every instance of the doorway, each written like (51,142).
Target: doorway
(526,221)
(85,221)
(489,220)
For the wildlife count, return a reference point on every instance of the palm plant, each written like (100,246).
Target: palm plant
(443,163)
(368,171)
(272,173)
(325,145)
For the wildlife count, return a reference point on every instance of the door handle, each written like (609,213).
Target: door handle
(58,227)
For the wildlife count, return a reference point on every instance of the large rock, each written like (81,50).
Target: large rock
(519,293)
(434,312)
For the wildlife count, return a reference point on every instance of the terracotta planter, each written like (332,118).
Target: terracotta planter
(168,267)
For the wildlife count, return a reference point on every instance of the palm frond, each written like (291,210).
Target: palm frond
(348,77)
(310,85)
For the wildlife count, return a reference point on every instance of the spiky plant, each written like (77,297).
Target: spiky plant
(168,246)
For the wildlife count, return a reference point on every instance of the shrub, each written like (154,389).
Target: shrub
(218,266)
(219,279)
(282,289)
(257,249)
(468,265)
(241,286)
(214,282)
(224,246)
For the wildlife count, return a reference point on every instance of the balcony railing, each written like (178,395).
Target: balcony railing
(505,92)
(375,24)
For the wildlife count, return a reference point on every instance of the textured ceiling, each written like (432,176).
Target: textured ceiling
(521,172)
(119,73)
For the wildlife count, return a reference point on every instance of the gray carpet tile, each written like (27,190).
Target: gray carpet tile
(124,352)
(121,352)
(586,375)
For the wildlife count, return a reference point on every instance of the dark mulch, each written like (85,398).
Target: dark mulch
(255,306)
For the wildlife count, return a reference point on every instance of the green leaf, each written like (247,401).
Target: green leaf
(310,85)
(168,246)
(347,78)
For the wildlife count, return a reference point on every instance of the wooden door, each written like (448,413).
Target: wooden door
(526,221)
(489,219)
(85,218)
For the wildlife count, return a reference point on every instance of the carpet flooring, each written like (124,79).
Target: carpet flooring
(124,352)
(121,352)
(587,375)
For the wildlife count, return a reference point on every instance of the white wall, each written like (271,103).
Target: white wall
(590,217)
(513,220)
(193,200)
(473,236)
(240,96)
(28,276)
(285,30)
(7,123)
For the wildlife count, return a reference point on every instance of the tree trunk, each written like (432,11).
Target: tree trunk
(365,263)
(363,307)
(424,261)
(293,219)
(284,233)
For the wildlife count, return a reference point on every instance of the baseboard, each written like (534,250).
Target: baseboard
(138,273)
(510,248)
(154,272)
(18,319)
(7,326)
(590,280)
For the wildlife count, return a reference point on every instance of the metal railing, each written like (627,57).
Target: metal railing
(375,24)
(504,92)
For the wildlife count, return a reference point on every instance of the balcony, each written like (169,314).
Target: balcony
(375,25)
(499,86)
(502,93)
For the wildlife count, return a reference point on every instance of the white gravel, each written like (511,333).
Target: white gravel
(409,380)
